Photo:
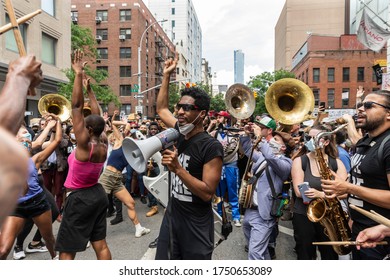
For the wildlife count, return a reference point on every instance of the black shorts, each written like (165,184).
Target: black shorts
(84,219)
(32,207)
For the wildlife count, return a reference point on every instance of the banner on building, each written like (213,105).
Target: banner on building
(371,34)
(386,81)
(378,73)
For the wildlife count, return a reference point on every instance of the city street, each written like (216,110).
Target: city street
(125,246)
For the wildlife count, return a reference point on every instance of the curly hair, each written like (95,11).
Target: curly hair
(202,99)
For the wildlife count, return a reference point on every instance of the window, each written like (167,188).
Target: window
(126,108)
(331,75)
(74,16)
(48,6)
(103,15)
(345,97)
(360,74)
(102,53)
(102,33)
(10,42)
(125,53)
(102,68)
(126,32)
(316,75)
(345,74)
(316,93)
(331,97)
(125,90)
(373,76)
(125,71)
(173,11)
(124,15)
(173,23)
(48,49)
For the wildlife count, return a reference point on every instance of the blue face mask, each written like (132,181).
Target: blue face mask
(27,135)
(310,145)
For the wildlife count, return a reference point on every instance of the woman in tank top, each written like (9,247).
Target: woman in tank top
(305,169)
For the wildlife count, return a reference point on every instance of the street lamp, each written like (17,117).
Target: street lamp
(139,59)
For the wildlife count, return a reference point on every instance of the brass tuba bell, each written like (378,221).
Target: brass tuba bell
(289,101)
(55,104)
(240,101)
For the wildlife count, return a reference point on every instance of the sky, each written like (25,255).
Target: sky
(228,25)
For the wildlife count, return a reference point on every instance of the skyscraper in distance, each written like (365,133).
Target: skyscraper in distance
(239,66)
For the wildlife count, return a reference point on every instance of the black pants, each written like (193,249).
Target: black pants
(306,232)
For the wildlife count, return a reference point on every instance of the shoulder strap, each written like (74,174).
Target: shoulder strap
(333,164)
(381,147)
(271,183)
(91,151)
(304,161)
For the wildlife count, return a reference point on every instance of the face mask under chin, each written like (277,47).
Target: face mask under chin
(187,128)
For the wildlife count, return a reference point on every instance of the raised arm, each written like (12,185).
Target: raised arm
(163,98)
(95,107)
(80,131)
(44,154)
(23,73)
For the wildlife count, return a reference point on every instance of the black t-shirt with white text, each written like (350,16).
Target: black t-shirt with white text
(371,172)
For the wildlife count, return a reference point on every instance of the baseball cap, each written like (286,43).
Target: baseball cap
(267,122)
(223,114)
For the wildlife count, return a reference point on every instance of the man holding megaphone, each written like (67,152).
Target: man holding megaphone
(195,164)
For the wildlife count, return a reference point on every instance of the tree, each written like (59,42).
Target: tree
(82,38)
(218,103)
(262,82)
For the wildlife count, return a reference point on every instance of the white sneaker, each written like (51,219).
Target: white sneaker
(237,223)
(19,253)
(142,232)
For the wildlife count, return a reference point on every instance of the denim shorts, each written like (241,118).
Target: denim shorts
(32,207)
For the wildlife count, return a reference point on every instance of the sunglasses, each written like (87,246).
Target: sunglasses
(368,105)
(186,107)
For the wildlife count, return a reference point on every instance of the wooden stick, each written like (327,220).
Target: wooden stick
(372,215)
(21,20)
(348,243)
(18,36)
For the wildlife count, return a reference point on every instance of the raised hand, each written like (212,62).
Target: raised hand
(170,65)
(28,67)
(77,64)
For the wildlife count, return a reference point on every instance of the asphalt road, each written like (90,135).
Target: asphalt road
(125,246)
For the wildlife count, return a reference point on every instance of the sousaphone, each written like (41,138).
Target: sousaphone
(289,101)
(55,104)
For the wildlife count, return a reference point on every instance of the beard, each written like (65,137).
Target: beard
(370,125)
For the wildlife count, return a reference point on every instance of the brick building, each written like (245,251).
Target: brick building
(119,26)
(333,67)
(47,36)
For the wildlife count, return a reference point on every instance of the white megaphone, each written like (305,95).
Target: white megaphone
(138,152)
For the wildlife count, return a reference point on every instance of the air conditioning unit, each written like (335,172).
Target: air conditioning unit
(98,60)
(74,20)
(98,39)
(98,20)
(122,37)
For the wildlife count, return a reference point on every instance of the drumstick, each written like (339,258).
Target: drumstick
(348,243)
(372,215)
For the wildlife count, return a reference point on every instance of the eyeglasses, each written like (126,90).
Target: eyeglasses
(186,107)
(368,105)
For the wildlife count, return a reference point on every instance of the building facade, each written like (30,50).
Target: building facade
(300,18)
(121,27)
(183,28)
(334,66)
(206,73)
(239,66)
(47,36)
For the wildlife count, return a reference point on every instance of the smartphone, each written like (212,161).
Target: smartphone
(302,188)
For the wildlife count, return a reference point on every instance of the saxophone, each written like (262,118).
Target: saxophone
(329,212)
